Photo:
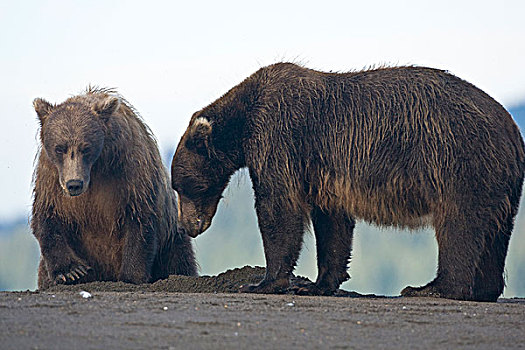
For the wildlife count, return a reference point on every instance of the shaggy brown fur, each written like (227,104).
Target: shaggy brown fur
(400,146)
(103,208)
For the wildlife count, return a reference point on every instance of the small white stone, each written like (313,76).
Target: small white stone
(85,294)
(165,308)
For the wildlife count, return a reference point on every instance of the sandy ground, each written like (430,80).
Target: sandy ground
(169,314)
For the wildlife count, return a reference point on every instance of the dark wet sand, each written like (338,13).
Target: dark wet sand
(187,313)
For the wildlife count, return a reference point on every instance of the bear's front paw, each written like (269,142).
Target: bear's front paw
(74,274)
(425,291)
(311,289)
(301,286)
(279,286)
(440,289)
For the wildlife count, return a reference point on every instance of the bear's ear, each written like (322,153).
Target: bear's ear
(106,107)
(199,135)
(42,108)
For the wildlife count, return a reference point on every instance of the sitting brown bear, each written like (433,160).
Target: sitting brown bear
(400,146)
(103,208)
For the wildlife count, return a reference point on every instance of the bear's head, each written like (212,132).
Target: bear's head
(204,161)
(72,136)
(193,178)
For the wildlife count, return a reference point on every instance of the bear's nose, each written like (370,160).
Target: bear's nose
(74,187)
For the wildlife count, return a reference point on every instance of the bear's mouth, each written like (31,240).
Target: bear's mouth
(199,226)
(202,225)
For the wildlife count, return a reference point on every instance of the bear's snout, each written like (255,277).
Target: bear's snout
(75,187)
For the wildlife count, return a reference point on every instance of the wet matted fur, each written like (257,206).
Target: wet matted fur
(394,146)
(103,207)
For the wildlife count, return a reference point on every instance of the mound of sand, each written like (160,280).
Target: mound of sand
(226,282)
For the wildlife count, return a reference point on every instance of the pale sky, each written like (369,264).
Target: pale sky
(171,58)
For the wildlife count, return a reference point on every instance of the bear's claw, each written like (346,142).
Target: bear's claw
(75,274)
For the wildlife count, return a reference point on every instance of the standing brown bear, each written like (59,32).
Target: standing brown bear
(103,208)
(401,146)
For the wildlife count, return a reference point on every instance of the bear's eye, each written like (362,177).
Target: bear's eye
(85,150)
(60,150)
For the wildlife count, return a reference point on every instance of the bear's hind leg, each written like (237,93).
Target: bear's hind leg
(333,235)
(175,258)
(461,236)
(489,281)
(139,250)
(44,281)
